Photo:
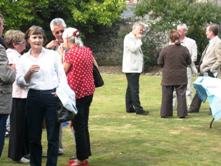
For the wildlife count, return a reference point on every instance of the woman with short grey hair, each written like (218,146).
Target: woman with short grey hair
(78,65)
(18,138)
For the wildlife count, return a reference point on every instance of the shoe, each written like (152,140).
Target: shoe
(78,163)
(7,133)
(142,112)
(71,162)
(24,160)
(131,111)
(27,156)
(60,151)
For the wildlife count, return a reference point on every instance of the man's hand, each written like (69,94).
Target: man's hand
(52,44)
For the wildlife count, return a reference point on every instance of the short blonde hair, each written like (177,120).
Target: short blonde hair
(13,37)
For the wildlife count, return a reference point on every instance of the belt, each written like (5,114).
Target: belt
(42,91)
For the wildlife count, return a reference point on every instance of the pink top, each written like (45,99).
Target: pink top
(13,58)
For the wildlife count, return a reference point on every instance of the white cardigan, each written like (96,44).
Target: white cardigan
(132,55)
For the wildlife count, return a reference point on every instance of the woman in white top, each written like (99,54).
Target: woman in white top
(18,139)
(40,69)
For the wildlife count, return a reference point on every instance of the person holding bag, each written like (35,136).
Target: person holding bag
(78,65)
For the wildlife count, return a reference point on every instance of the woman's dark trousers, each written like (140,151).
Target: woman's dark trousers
(80,124)
(42,105)
(167,100)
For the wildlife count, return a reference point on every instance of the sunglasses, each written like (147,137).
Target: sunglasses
(57,32)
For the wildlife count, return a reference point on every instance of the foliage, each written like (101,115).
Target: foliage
(96,12)
(20,14)
(166,14)
(16,13)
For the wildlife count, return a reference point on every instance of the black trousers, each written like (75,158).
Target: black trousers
(196,102)
(18,138)
(80,124)
(167,100)
(132,93)
(3,119)
(42,105)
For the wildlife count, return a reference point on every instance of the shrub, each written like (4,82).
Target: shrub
(166,14)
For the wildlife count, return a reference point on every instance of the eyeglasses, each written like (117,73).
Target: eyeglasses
(57,32)
(21,42)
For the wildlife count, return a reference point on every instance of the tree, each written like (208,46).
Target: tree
(166,14)
(87,14)
(90,13)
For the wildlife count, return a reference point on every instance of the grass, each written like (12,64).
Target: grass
(122,139)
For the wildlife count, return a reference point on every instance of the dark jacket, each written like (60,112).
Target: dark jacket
(174,60)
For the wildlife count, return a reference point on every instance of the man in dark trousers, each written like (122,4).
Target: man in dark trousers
(210,61)
(132,67)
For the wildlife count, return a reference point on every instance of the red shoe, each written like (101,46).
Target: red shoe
(78,163)
(86,163)
(71,162)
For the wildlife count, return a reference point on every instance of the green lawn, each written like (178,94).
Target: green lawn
(122,139)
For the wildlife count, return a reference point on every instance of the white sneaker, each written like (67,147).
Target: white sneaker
(60,151)
(6,133)
(24,160)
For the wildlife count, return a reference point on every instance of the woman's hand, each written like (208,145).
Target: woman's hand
(34,68)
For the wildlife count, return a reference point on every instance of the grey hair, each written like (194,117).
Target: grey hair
(183,26)
(77,40)
(73,36)
(137,24)
(57,21)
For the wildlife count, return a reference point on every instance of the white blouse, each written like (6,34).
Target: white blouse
(49,76)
